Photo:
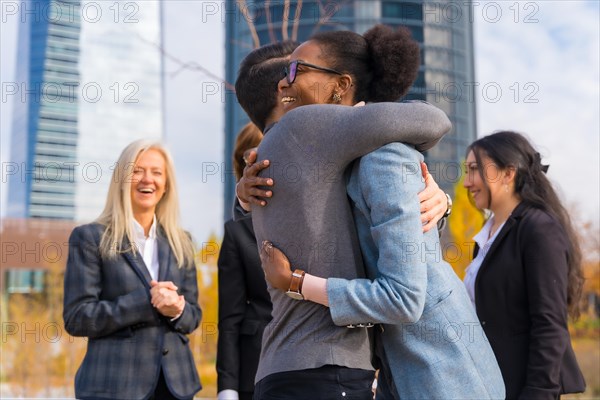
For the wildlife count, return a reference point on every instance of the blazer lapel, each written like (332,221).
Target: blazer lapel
(164,257)
(510,223)
(137,263)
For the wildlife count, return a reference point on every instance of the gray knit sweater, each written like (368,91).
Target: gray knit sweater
(309,218)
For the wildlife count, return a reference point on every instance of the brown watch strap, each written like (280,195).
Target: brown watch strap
(297,281)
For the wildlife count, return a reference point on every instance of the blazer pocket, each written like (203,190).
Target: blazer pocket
(249,327)
(183,337)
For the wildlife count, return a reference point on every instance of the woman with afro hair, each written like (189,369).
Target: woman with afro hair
(428,340)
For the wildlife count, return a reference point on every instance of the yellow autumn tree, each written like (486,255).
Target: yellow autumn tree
(464,223)
(203,341)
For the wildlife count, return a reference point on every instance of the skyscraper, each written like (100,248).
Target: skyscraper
(89,81)
(44,137)
(446,77)
(121,90)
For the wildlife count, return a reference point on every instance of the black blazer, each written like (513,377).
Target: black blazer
(521,300)
(244,307)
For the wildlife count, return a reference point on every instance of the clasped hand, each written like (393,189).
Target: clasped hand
(165,298)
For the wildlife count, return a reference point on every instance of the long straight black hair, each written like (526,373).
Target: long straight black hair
(510,149)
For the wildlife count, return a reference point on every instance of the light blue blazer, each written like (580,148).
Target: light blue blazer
(432,338)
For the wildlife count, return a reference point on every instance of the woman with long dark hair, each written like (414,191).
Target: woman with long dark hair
(526,275)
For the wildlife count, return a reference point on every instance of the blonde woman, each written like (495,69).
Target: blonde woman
(130,286)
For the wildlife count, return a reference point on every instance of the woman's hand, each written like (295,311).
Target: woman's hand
(433,201)
(165,298)
(247,189)
(276,266)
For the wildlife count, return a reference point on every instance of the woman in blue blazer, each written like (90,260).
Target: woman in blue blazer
(526,276)
(429,341)
(130,286)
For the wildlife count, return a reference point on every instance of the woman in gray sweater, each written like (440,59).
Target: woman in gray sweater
(429,344)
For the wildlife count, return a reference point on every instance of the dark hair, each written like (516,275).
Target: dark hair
(249,137)
(383,62)
(510,149)
(256,84)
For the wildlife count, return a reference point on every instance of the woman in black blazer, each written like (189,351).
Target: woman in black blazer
(244,302)
(525,278)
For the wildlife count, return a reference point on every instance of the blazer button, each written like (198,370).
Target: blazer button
(482,323)
(165,352)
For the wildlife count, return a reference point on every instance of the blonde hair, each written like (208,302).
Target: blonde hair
(118,217)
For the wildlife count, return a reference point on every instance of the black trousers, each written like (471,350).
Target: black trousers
(386,388)
(330,382)
(162,391)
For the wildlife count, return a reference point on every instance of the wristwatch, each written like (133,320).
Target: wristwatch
(448,206)
(295,290)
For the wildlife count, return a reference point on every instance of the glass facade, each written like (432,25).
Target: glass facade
(90,76)
(446,77)
(44,141)
(121,90)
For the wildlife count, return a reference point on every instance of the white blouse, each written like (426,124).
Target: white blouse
(484,247)
(146,247)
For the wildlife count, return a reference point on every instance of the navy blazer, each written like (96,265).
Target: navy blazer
(521,301)
(244,307)
(108,301)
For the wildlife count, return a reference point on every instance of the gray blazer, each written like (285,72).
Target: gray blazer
(108,301)
(432,338)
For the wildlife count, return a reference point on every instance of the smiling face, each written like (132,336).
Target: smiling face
(485,190)
(148,181)
(311,85)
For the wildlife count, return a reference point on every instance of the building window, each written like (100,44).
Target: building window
(403,10)
(25,281)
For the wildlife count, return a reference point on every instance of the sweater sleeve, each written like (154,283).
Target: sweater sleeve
(341,134)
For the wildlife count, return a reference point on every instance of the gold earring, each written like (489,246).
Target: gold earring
(506,187)
(337,98)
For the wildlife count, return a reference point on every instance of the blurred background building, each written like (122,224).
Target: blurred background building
(88,83)
(446,77)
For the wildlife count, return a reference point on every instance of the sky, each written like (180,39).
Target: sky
(537,72)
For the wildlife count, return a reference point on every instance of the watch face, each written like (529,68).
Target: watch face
(295,295)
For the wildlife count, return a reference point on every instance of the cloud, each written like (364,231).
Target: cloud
(549,75)
(195,113)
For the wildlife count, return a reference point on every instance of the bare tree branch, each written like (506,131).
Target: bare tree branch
(193,66)
(285,19)
(269,22)
(242,6)
(296,20)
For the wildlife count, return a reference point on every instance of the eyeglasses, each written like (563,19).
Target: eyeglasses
(291,71)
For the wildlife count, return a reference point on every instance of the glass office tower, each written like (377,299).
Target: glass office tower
(121,71)
(89,78)
(446,77)
(44,137)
